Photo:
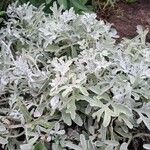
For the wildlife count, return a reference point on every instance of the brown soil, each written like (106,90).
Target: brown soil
(126,17)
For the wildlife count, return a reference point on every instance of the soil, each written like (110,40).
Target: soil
(125,17)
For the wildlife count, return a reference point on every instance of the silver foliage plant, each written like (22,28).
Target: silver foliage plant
(66,84)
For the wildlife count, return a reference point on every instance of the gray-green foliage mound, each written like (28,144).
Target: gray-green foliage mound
(66,84)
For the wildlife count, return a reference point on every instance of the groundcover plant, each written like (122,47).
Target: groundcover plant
(66,84)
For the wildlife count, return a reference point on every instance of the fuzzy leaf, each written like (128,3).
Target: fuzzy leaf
(40,146)
(146,146)
(3,141)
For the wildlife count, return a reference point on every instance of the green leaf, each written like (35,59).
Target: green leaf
(63,2)
(66,91)
(107,116)
(78,120)
(1,20)
(124,146)
(98,114)
(126,120)
(28,146)
(25,111)
(2,13)
(112,142)
(48,1)
(99,91)
(83,1)
(83,142)
(92,101)
(71,108)
(66,118)
(106,119)
(2,128)
(3,141)
(83,90)
(79,5)
(146,146)
(122,109)
(40,146)
(108,113)
(34,139)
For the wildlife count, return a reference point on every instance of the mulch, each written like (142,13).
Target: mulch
(125,17)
